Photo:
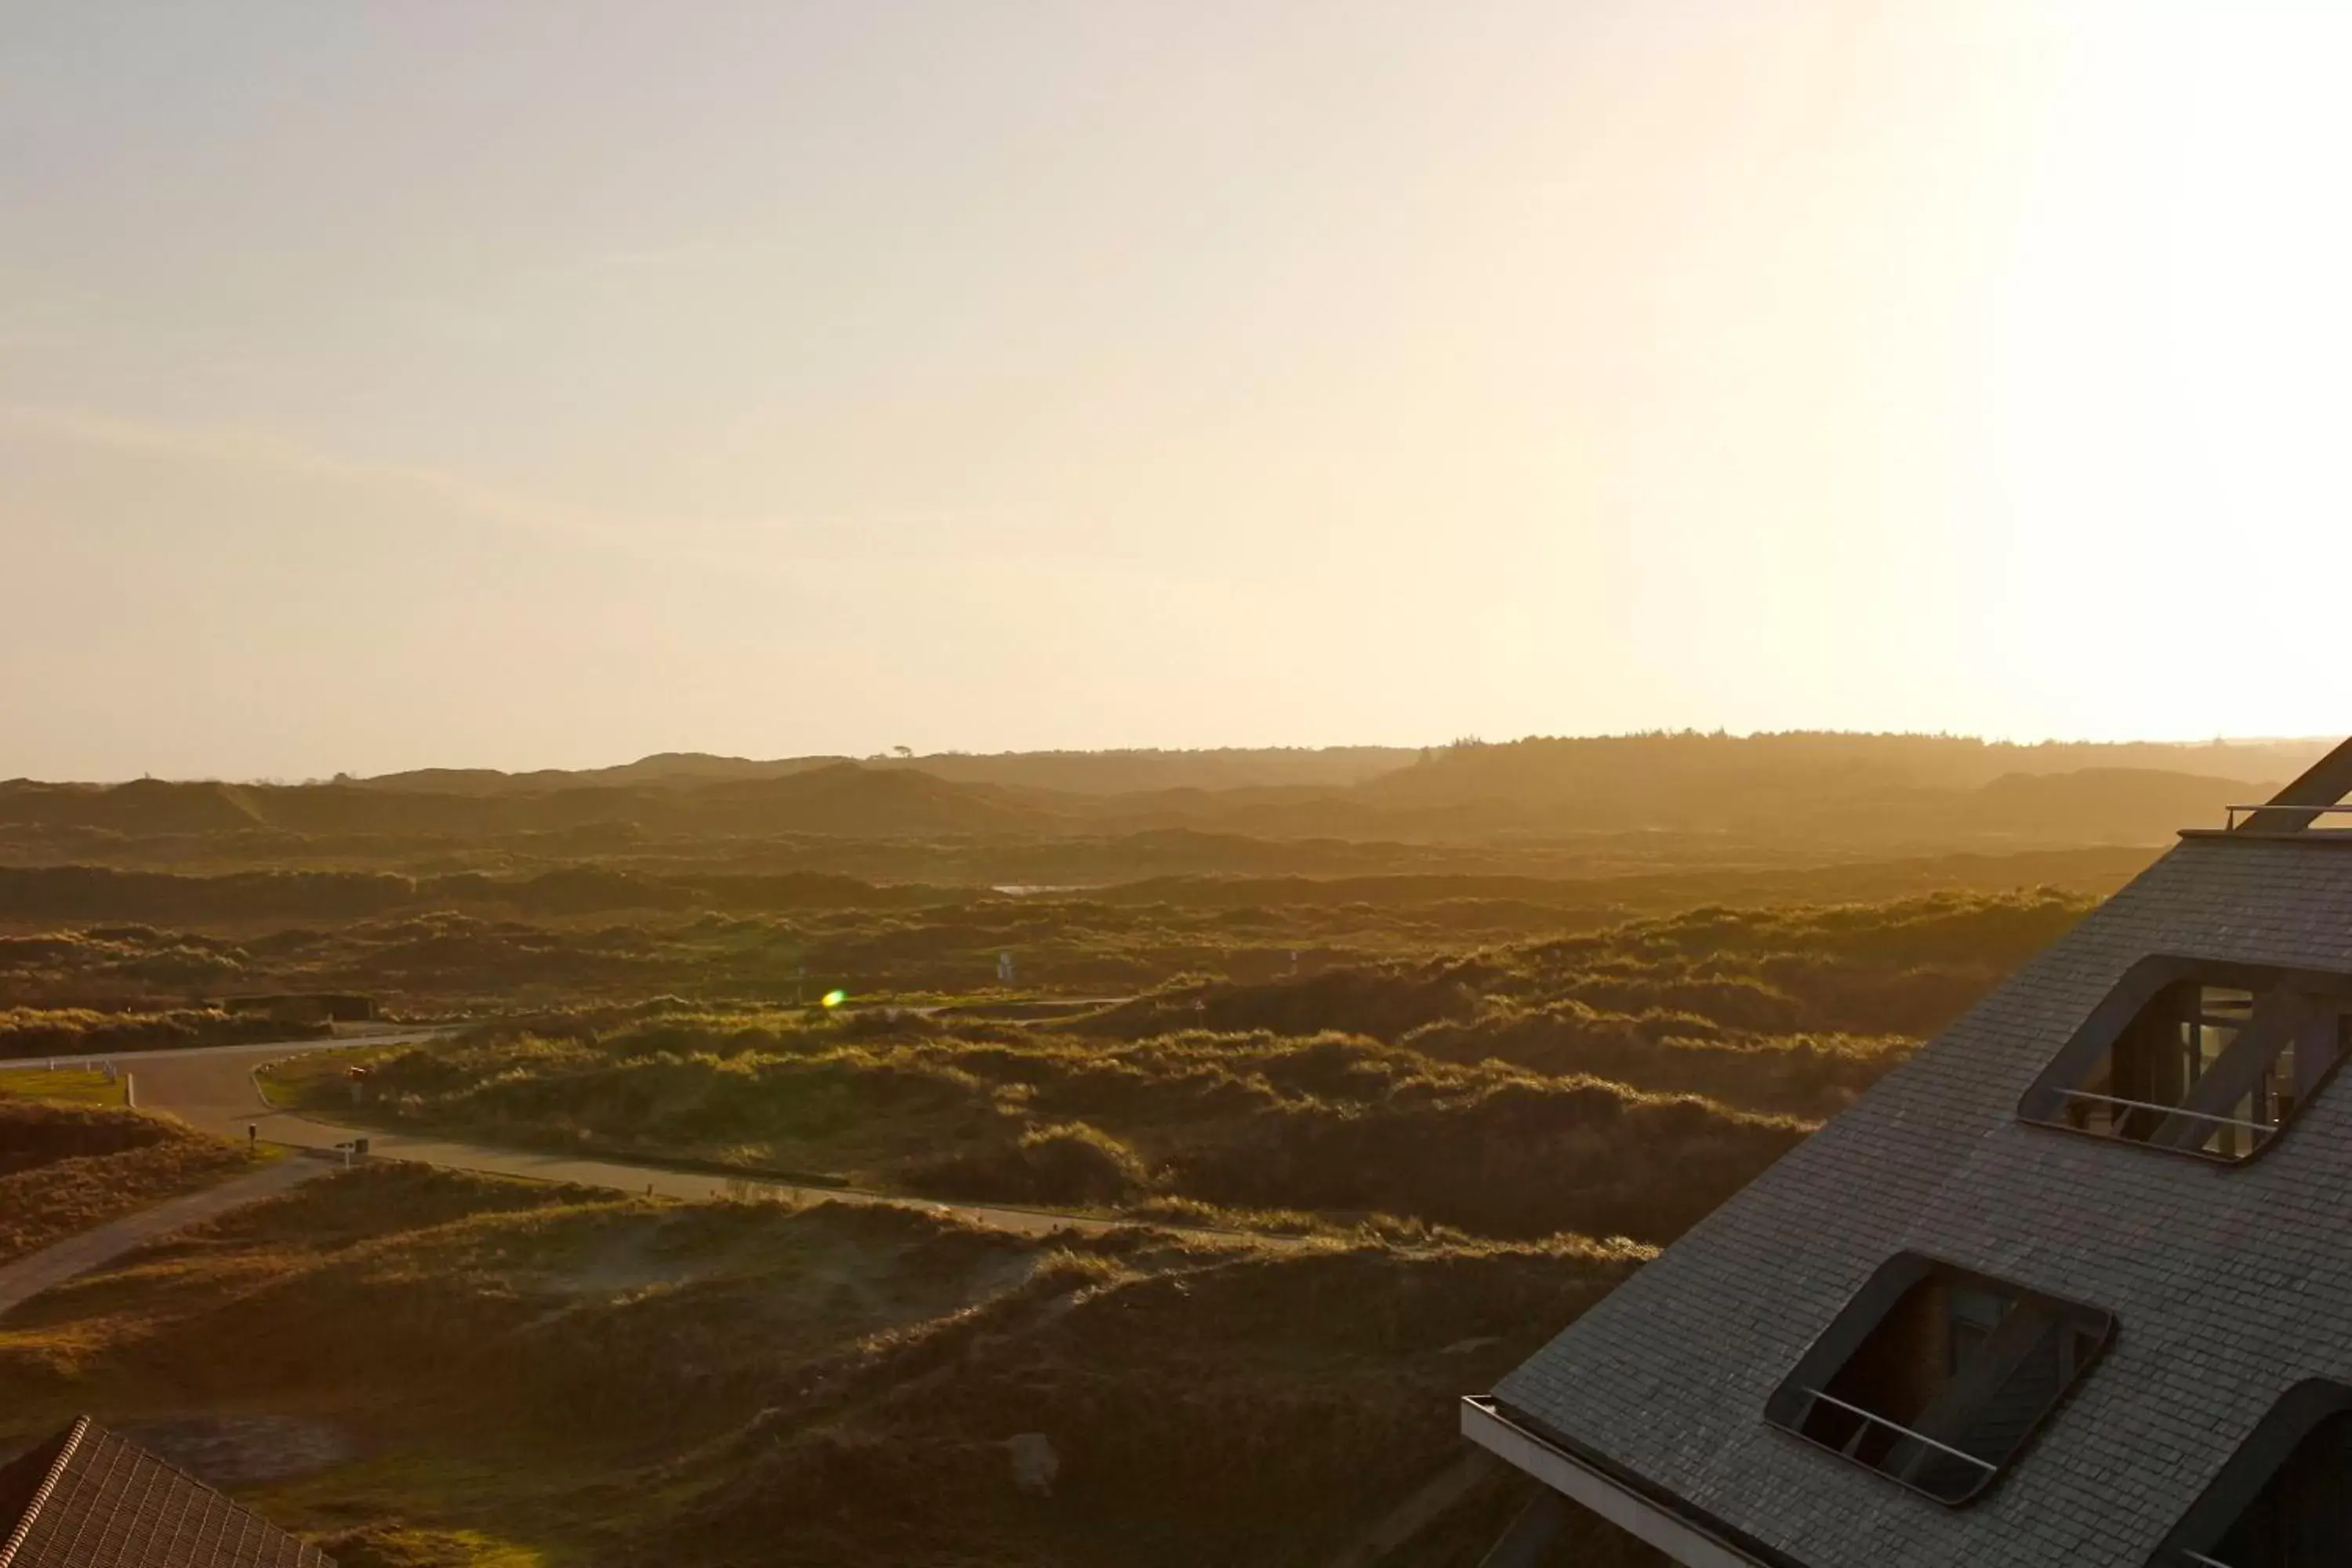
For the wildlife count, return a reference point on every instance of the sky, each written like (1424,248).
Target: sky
(440,384)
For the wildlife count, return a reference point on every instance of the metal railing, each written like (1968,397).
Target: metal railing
(2265,1128)
(2343,810)
(1987,1465)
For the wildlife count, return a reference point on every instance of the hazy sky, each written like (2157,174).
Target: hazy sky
(532,385)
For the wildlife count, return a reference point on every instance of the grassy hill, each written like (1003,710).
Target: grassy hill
(1413,1035)
(65,1168)
(552,1375)
(1826,795)
(1073,773)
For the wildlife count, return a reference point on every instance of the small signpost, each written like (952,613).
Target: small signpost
(1004,969)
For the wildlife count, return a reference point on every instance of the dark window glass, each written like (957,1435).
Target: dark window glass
(1935,1376)
(2284,1500)
(2209,1059)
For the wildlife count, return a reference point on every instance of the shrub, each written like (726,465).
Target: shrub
(1068,1163)
(1073,1163)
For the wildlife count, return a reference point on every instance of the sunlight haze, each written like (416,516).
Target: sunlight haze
(528,386)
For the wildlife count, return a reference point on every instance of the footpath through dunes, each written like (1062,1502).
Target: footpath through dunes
(65,1169)
(209,1102)
(609,1380)
(1616,1083)
(1259,1130)
(28,1272)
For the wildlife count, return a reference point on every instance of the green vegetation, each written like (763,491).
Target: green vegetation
(1785,1010)
(1112,942)
(1554,808)
(1366,1048)
(1619,1082)
(83,1031)
(1325,1123)
(528,1374)
(65,1168)
(62,1085)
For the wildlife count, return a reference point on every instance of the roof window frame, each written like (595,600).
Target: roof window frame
(2123,1006)
(1796,1398)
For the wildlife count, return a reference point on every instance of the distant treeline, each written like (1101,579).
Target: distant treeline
(1945,762)
(843,799)
(91,892)
(1123,772)
(1838,789)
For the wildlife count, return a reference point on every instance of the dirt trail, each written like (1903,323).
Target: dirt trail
(212,1090)
(29,1277)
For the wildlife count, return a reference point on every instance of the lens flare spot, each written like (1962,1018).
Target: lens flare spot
(835,998)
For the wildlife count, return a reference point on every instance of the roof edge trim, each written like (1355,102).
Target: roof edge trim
(2267,835)
(1672,1525)
(15,1541)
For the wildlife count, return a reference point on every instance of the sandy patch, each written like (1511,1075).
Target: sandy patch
(245,1450)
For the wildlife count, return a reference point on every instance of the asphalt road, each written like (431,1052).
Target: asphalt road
(212,1090)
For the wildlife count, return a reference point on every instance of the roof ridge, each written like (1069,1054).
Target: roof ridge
(74,1434)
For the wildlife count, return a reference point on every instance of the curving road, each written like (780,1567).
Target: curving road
(211,1089)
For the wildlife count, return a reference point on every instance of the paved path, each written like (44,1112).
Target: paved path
(29,1277)
(211,1089)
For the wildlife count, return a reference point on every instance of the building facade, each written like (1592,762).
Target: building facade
(2073,1285)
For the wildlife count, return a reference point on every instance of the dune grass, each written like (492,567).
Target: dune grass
(1621,1081)
(1345,1126)
(35,1031)
(539,1374)
(66,1168)
(64,1086)
(1434,1134)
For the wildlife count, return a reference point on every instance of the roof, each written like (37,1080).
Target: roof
(88,1498)
(2228,1285)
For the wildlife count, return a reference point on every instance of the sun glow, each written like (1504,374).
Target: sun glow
(2173,393)
(1180,376)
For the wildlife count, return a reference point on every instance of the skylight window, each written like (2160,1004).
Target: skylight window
(2213,1060)
(2284,1500)
(1936,1377)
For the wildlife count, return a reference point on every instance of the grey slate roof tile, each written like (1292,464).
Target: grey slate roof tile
(88,1498)
(2228,1285)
